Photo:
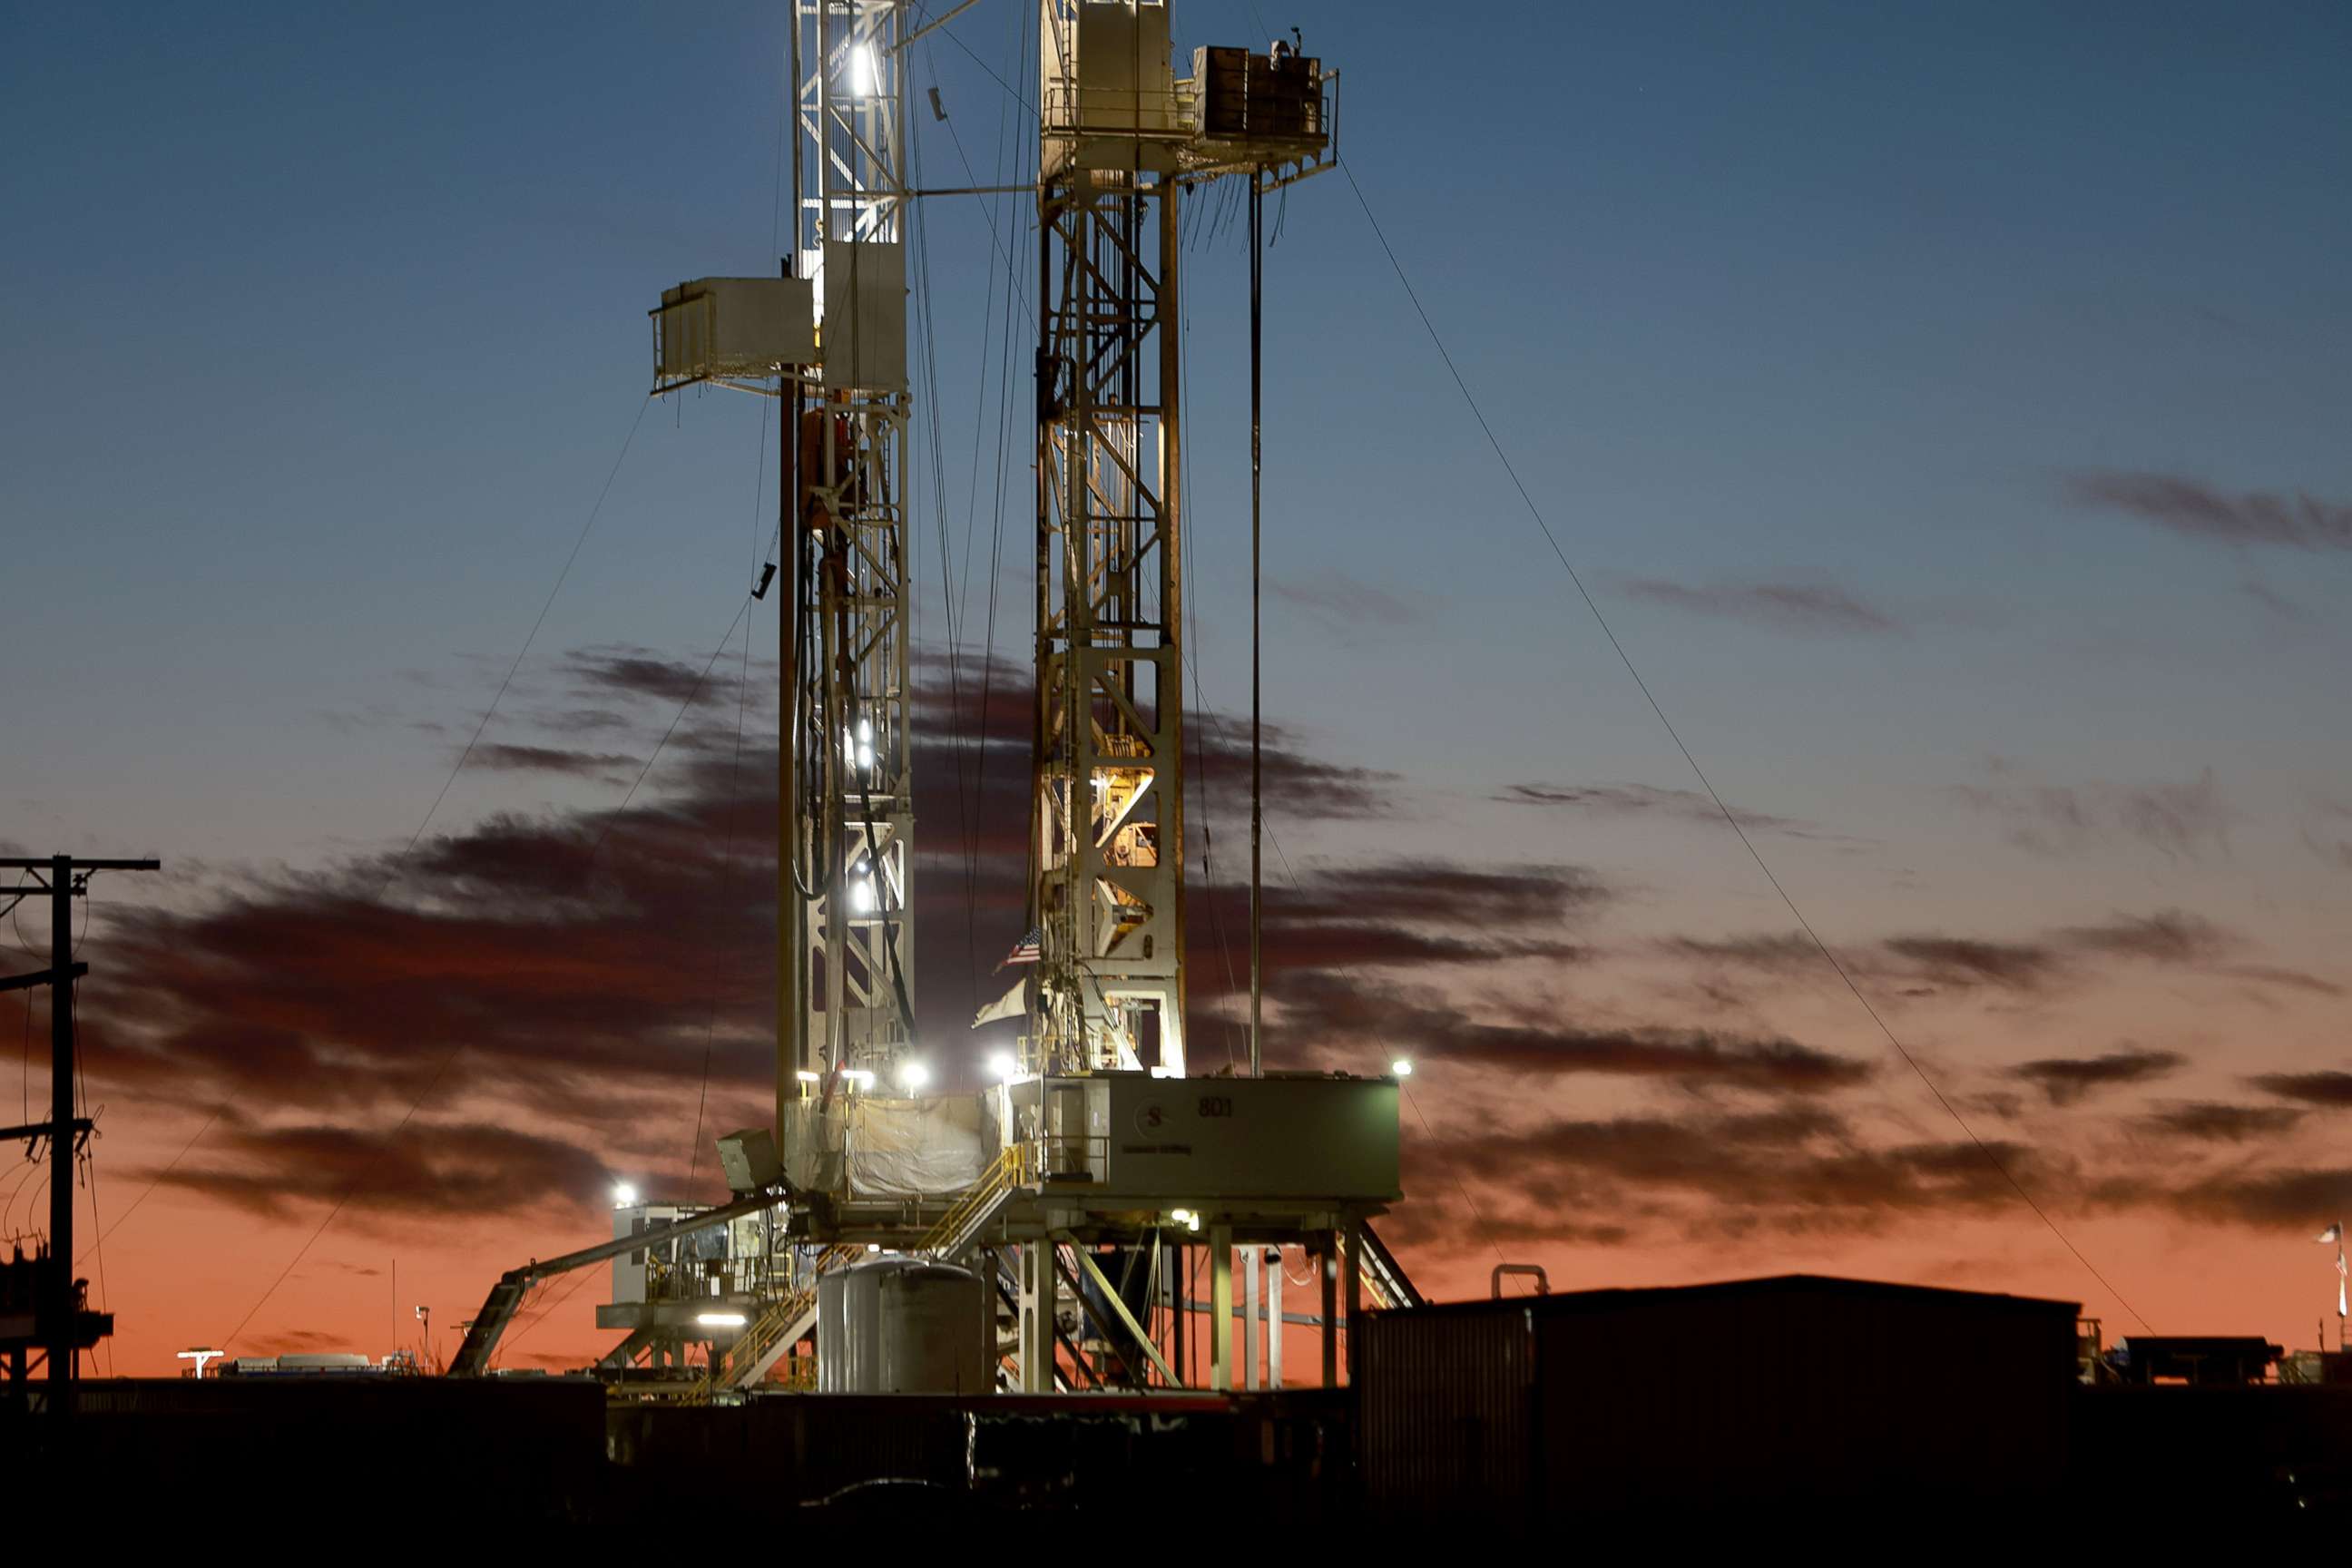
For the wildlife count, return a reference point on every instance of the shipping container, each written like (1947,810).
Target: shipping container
(1780,1394)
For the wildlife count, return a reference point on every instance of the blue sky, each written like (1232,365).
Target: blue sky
(328,327)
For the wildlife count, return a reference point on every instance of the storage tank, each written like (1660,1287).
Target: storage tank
(902,1325)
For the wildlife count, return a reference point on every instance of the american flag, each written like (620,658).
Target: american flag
(1028,950)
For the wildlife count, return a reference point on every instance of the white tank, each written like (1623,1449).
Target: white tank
(902,1325)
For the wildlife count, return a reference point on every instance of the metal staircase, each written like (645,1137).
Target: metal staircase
(775,1331)
(1390,1285)
(977,1209)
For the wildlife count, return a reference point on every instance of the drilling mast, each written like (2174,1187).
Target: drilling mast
(1121,139)
(1077,1156)
(1106,849)
(846,957)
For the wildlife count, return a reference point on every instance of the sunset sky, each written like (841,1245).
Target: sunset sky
(1946,409)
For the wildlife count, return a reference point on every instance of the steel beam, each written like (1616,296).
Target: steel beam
(1118,1306)
(1221,1308)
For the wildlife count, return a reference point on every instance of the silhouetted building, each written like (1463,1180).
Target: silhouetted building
(1758,1396)
(2204,1359)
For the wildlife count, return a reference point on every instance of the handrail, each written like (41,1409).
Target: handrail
(1003,1172)
(781,1315)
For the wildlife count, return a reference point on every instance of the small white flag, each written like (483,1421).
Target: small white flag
(2333,1233)
(1011,1004)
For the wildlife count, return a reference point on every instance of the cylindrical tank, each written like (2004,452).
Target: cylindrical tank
(902,1325)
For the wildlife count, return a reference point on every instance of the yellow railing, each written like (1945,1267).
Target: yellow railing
(1009,1169)
(760,1337)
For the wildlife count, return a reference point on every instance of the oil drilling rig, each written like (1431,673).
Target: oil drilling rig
(1042,1233)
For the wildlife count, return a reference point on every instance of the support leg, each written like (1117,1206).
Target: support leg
(1220,1309)
(1328,1269)
(1179,1316)
(1273,1320)
(1253,1304)
(1037,1291)
(1355,1267)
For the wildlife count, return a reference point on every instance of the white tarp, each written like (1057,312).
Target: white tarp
(812,1151)
(872,1146)
(914,1148)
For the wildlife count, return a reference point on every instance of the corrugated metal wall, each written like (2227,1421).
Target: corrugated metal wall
(1790,1394)
(1444,1413)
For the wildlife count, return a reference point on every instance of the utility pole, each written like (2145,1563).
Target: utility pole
(67,880)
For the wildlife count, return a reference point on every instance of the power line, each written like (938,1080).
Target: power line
(560,578)
(345,1198)
(734,792)
(157,1180)
(1730,820)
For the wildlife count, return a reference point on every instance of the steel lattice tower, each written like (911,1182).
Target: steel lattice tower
(1107,850)
(848,811)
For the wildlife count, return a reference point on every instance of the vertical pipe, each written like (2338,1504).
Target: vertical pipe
(1220,1309)
(1037,1308)
(1273,1320)
(1257,767)
(792,909)
(1174,1053)
(1180,1289)
(1354,1264)
(1039,1022)
(1253,1304)
(1329,1269)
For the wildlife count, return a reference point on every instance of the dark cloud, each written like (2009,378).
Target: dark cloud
(1787,1171)
(2065,1079)
(2208,1122)
(2329,1088)
(980,720)
(2192,507)
(1344,1010)
(1349,610)
(2284,1199)
(1654,800)
(435,1170)
(1782,954)
(2182,820)
(1959,963)
(2275,603)
(1297,786)
(590,964)
(640,672)
(2322,841)
(1925,964)
(2168,936)
(1451,895)
(1340,928)
(1719,1177)
(2274,977)
(501,757)
(1783,607)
